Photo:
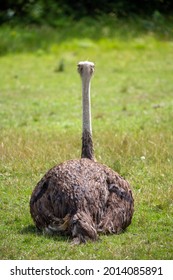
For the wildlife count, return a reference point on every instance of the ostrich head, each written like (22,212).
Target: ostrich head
(86,69)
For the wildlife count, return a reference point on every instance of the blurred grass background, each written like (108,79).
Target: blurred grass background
(40,125)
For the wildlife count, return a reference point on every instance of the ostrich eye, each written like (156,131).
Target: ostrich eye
(80,68)
(92,69)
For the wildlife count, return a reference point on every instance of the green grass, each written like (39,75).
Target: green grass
(40,124)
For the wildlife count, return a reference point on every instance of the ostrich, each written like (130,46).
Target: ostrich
(81,197)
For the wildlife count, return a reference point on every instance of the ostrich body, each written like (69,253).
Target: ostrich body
(82,197)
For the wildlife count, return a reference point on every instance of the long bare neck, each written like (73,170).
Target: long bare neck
(87,144)
(86,105)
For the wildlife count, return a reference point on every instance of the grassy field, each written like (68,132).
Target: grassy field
(132,113)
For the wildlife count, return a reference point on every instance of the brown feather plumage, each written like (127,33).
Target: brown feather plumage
(82,198)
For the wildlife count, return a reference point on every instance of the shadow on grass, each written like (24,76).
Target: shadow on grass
(32,230)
